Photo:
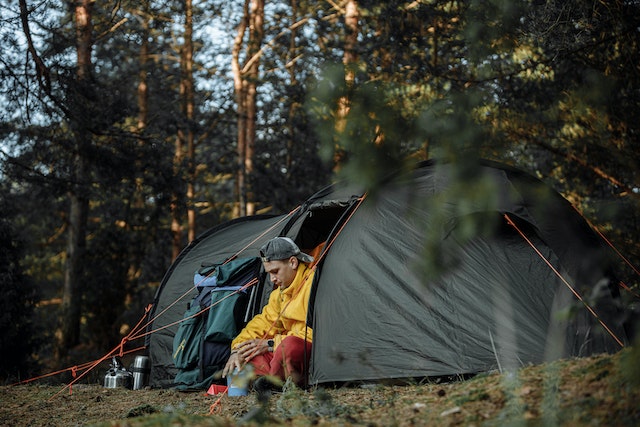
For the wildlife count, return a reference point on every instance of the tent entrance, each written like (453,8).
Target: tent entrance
(317,224)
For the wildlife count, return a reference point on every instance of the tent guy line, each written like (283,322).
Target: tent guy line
(131,336)
(188,291)
(571,288)
(119,349)
(611,245)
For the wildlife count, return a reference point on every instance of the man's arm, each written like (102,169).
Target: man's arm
(246,351)
(262,324)
(249,342)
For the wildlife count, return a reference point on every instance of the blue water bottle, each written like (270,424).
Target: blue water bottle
(238,381)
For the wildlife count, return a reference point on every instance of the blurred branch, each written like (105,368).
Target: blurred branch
(44,78)
(628,191)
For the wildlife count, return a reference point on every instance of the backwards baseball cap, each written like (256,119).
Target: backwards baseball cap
(280,248)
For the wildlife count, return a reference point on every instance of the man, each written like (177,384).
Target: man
(277,340)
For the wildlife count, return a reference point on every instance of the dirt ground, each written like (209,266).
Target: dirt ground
(601,390)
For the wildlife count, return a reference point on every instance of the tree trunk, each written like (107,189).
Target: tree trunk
(176,220)
(143,89)
(294,105)
(188,113)
(349,58)
(351,22)
(138,201)
(245,85)
(185,142)
(69,331)
(239,89)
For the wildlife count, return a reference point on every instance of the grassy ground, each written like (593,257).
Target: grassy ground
(602,390)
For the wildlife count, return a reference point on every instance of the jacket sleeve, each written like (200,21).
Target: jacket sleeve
(262,324)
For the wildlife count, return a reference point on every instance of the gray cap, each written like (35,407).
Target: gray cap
(280,248)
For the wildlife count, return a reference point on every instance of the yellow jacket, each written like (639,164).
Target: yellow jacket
(285,314)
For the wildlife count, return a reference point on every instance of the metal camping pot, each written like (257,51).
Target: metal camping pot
(117,376)
(141,369)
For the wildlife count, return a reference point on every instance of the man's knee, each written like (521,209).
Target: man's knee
(294,348)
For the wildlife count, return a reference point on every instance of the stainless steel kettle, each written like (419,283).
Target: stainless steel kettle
(117,375)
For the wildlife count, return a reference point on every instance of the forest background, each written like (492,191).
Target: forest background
(129,127)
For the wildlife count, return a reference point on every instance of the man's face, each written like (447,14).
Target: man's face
(281,272)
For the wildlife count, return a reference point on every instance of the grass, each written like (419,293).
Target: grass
(600,390)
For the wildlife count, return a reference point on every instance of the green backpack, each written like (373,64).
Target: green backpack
(212,320)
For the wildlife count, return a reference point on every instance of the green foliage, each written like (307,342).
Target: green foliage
(546,86)
(580,391)
(630,363)
(373,140)
(296,403)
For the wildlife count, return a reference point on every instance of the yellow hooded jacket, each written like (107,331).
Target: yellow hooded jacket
(285,314)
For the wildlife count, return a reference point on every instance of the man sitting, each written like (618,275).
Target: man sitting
(277,342)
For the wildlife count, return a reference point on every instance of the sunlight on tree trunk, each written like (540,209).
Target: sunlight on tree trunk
(245,79)
(349,60)
(238,83)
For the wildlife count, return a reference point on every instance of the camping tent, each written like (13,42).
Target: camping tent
(500,298)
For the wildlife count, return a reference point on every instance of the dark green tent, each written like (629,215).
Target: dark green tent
(502,298)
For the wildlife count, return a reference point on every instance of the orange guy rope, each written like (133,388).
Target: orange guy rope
(611,245)
(132,335)
(564,281)
(628,289)
(92,365)
(150,321)
(129,337)
(216,407)
(242,288)
(259,236)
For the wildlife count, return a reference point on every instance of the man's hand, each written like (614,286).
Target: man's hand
(250,349)
(243,353)
(235,361)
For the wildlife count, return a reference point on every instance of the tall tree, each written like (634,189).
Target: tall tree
(287,165)
(292,70)
(246,78)
(349,60)
(184,151)
(69,332)
(188,109)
